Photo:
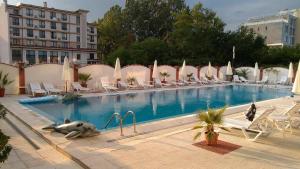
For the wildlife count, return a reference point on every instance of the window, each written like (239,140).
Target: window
(16,12)
(266,28)
(16,55)
(78,20)
(78,46)
(42,56)
(52,15)
(42,14)
(78,29)
(286,29)
(30,56)
(64,26)
(15,21)
(64,36)
(64,45)
(78,38)
(53,57)
(92,56)
(30,42)
(257,28)
(92,46)
(42,34)
(16,31)
(53,25)
(16,41)
(42,24)
(53,44)
(92,30)
(63,55)
(29,32)
(92,38)
(78,56)
(29,12)
(53,35)
(29,22)
(64,17)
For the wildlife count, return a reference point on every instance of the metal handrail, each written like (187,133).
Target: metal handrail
(133,119)
(119,117)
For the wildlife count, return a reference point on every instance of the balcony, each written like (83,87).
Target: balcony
(47,44)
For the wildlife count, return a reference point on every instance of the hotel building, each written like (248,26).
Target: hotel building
(40,34)
(282,29)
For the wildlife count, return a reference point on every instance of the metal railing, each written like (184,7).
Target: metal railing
(120,118)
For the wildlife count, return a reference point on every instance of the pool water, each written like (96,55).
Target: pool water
(154,105)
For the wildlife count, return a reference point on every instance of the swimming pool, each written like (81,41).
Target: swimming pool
(153,105)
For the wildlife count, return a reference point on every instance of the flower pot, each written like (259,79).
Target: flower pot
(213,140)
(2,92)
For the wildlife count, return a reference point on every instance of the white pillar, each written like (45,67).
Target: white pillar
(37,57)
(48,56)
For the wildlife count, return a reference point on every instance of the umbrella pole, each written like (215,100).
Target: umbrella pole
(66,86)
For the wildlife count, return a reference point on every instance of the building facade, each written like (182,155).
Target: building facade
(282,29)
(39,34)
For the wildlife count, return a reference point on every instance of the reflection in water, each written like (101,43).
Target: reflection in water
(154,105)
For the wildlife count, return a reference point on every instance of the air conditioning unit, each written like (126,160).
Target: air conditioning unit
(58,19)
(59,38)
(35,26)
(35,16)
(35,37)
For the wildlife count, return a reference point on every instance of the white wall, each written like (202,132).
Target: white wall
(4,35)
(250,74)
(135,70)
(273,76)
(13,74)
(203,71)
(171,71)
(51,73)
(97,71)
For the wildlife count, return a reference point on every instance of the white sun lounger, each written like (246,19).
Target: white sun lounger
(263,81)
(283,121)
(142,83)
(77,87)
(49,87)
(35,89)
(243,79)
(196,79)
(236,79)
(158,83)
(282,81)
(258,125)
(107,85)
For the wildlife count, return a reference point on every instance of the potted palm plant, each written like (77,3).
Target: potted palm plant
(84,78)
(208,121)
(164,75)
(189,76)
(131,80)
(4,81)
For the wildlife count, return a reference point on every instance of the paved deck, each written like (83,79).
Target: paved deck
(165,144)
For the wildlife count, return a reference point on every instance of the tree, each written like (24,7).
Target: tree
(5,148)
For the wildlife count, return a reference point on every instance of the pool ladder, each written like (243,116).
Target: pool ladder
(121,119)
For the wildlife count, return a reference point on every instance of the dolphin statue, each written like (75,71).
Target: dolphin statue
(74,129)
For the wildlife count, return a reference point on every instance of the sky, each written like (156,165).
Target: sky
(232,12)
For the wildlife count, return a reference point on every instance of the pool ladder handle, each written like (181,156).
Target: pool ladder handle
(119,117)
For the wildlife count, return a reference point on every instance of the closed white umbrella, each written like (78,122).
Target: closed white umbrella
(155,74)
(66,75)
(182,72)
(229,69)
(291,73)
(296,86)
(117,72)
(209,70)
(255,71)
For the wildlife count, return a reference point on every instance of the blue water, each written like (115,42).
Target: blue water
(150,106)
